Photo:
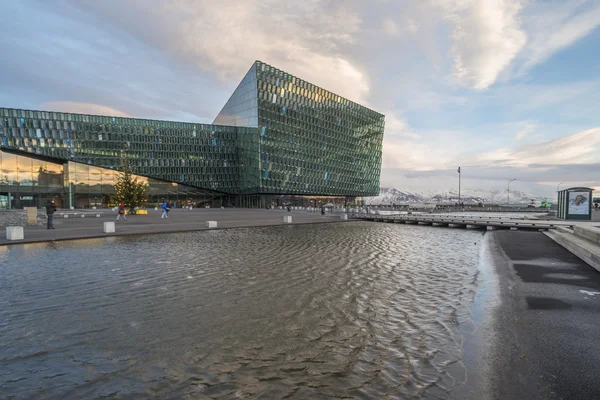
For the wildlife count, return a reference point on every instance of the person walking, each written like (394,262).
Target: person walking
(121,212)
(50,210)
(165,210)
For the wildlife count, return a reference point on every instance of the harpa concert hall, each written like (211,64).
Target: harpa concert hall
(277,140)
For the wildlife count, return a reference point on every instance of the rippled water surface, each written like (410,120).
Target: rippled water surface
(353,310)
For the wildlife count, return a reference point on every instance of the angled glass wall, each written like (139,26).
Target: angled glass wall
(241,108)
(312,141)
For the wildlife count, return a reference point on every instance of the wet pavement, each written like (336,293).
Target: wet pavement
(546,344)
(180,220)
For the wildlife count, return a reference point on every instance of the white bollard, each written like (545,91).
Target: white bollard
(155,208)
(109,227)
(211,224)
(93,208)
(14,233)
(287,219)
(97,215)
(82,215)
(344,217)
(72,208)
(66,216)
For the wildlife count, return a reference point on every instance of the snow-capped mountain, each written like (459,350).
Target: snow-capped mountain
(400,196)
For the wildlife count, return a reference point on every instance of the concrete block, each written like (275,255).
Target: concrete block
(31,215)
(72,208)
(14,233)
(491,228)
(287,219)
(514,228)
(211,224)
(155,208)
(97,215)
(65,215)
(82,215)
(206,206)
(344,217)
(93,208)
(109,227)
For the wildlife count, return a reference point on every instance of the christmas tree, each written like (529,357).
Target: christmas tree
(128,190)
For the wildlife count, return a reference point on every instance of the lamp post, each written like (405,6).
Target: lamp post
(459,186)
(557,186)
(508,192)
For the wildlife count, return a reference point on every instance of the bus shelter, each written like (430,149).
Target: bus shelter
(575,203)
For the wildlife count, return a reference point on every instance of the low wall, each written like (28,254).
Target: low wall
(13,218)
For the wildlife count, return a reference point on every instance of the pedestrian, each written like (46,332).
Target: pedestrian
(50,210)
(165,213)
(121,212)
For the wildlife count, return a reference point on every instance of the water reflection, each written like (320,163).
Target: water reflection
(368,310)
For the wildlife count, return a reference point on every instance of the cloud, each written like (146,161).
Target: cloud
(305,38)
(554,26)
(487,36)
(527,129)
(83,108)
(444,72)
(389,27)
(578,148)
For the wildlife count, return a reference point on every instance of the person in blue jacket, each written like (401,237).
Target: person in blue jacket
(165,210)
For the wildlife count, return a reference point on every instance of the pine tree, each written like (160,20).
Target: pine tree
(128,190)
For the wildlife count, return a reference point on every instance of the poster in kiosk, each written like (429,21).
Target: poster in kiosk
(575,203)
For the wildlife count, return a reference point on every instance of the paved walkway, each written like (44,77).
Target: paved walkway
(180,220)
(546,343)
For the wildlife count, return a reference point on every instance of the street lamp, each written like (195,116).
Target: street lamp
(459,186)
(557,186)
(508,192)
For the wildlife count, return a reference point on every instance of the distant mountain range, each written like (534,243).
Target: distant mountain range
(400,196)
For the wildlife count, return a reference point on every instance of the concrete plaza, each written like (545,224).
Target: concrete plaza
(180,220)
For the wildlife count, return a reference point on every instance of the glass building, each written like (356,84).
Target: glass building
(276,137)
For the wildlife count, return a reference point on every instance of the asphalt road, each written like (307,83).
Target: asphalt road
(547,341)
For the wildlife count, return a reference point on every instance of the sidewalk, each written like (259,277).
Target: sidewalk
(180,220)
(545,342)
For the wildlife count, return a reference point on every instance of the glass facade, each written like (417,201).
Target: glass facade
(31,182)
(314,142)
(276,135)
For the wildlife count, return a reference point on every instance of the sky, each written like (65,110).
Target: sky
(506,89)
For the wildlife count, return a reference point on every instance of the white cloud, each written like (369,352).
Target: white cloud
(578,148)
(303,39)
(553,26)
(487,36)
(308,39)
(527,129)
(389,27)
